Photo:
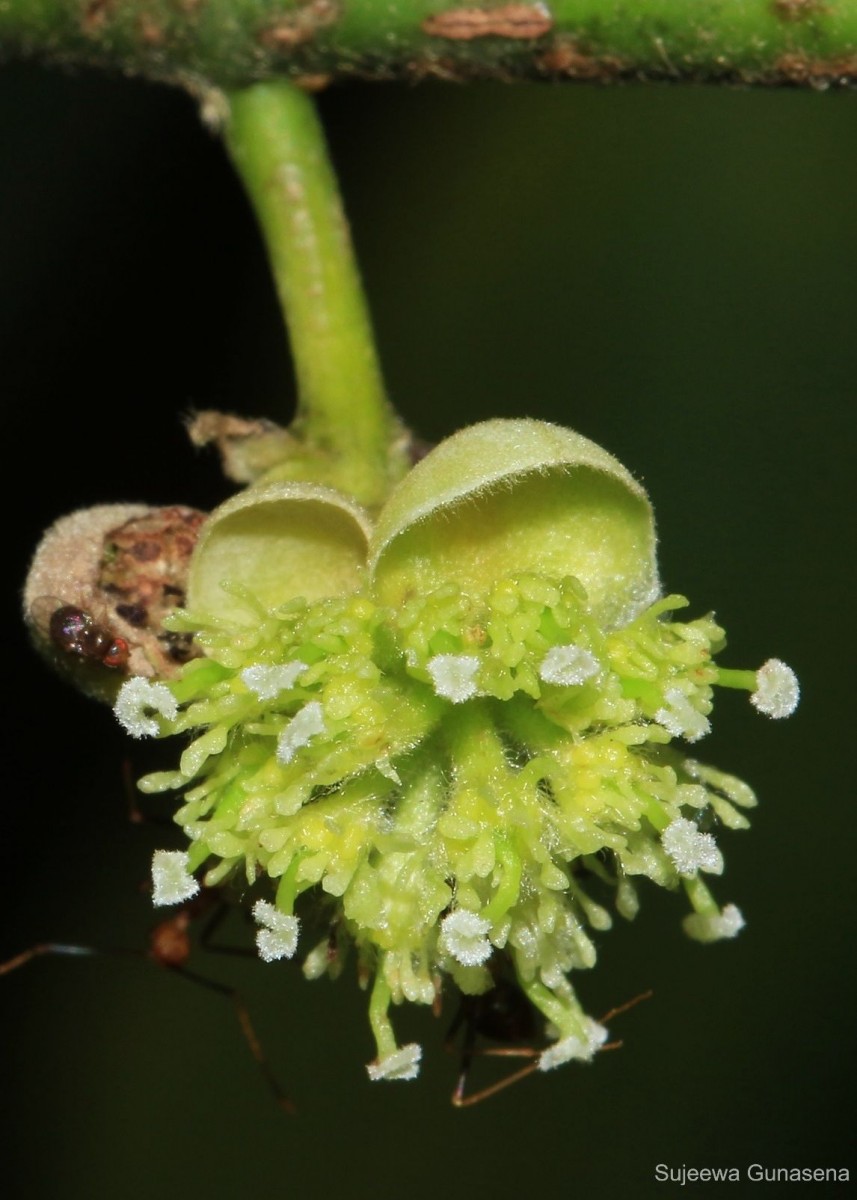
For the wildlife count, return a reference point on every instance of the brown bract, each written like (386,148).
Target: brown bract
(248,447)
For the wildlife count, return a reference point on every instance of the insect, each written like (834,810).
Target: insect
(74,631)
(169,947)
(504,1015)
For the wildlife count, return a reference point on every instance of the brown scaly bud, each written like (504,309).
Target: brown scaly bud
(99,586)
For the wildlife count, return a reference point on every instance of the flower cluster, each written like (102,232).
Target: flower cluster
(428,741)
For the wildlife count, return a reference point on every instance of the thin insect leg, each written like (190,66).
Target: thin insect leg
(20,960)
(135,814)
(466,1054)
(459,1100)
(213,922)
(623,1008)
(247,1028)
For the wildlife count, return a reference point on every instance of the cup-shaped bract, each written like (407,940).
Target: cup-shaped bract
(508,496)
(277,542)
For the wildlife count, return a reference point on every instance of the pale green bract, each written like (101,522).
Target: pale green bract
(429,738)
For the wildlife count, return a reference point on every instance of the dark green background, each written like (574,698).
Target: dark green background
(671,271)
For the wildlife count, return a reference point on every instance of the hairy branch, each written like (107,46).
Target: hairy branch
(230,43)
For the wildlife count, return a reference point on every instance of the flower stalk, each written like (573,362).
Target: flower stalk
(346,433)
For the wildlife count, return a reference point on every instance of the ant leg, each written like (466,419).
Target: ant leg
(623,1008)
(134,813)
(169,948)
(469,1050)
(618,1011)
(247,1028)
(20,960)
(215,919)
(459,1100)
(135,816)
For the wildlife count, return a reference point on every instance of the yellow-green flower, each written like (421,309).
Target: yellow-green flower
(425,738)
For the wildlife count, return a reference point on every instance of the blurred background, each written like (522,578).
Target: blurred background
(670,270)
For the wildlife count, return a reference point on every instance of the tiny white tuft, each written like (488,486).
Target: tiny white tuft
(303,726)
(278,937)
(712,927)
(453,676)
(171,881)
(680,718)
(463,934)
(403,1063)
(267,681)
(690,850)
(136,699)
(574,1047)
(386,768)
(568,666)
(777,689)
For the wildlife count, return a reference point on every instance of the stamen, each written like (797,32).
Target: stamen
(267,682)
(463,935)
(582,1049)
(303,726)
(713,927)
(690,850)
(453,676)
(568,666)
(680,718)
(137,697)
(279,936)
(403,1063)
(777,689)
(172,883)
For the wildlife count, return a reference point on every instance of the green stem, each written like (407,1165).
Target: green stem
(230,43)
(379,1003)
(746,681)
(344,424)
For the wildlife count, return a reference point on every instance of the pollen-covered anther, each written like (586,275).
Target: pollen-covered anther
(403,1063)
(278,937)
(581,1048)
(172,882)
(714,927)
(266,681)
(304,725)
(453,676)
(689,850)
(463,935)
(568,666)
(137,699)
(680,718)
(777,689)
